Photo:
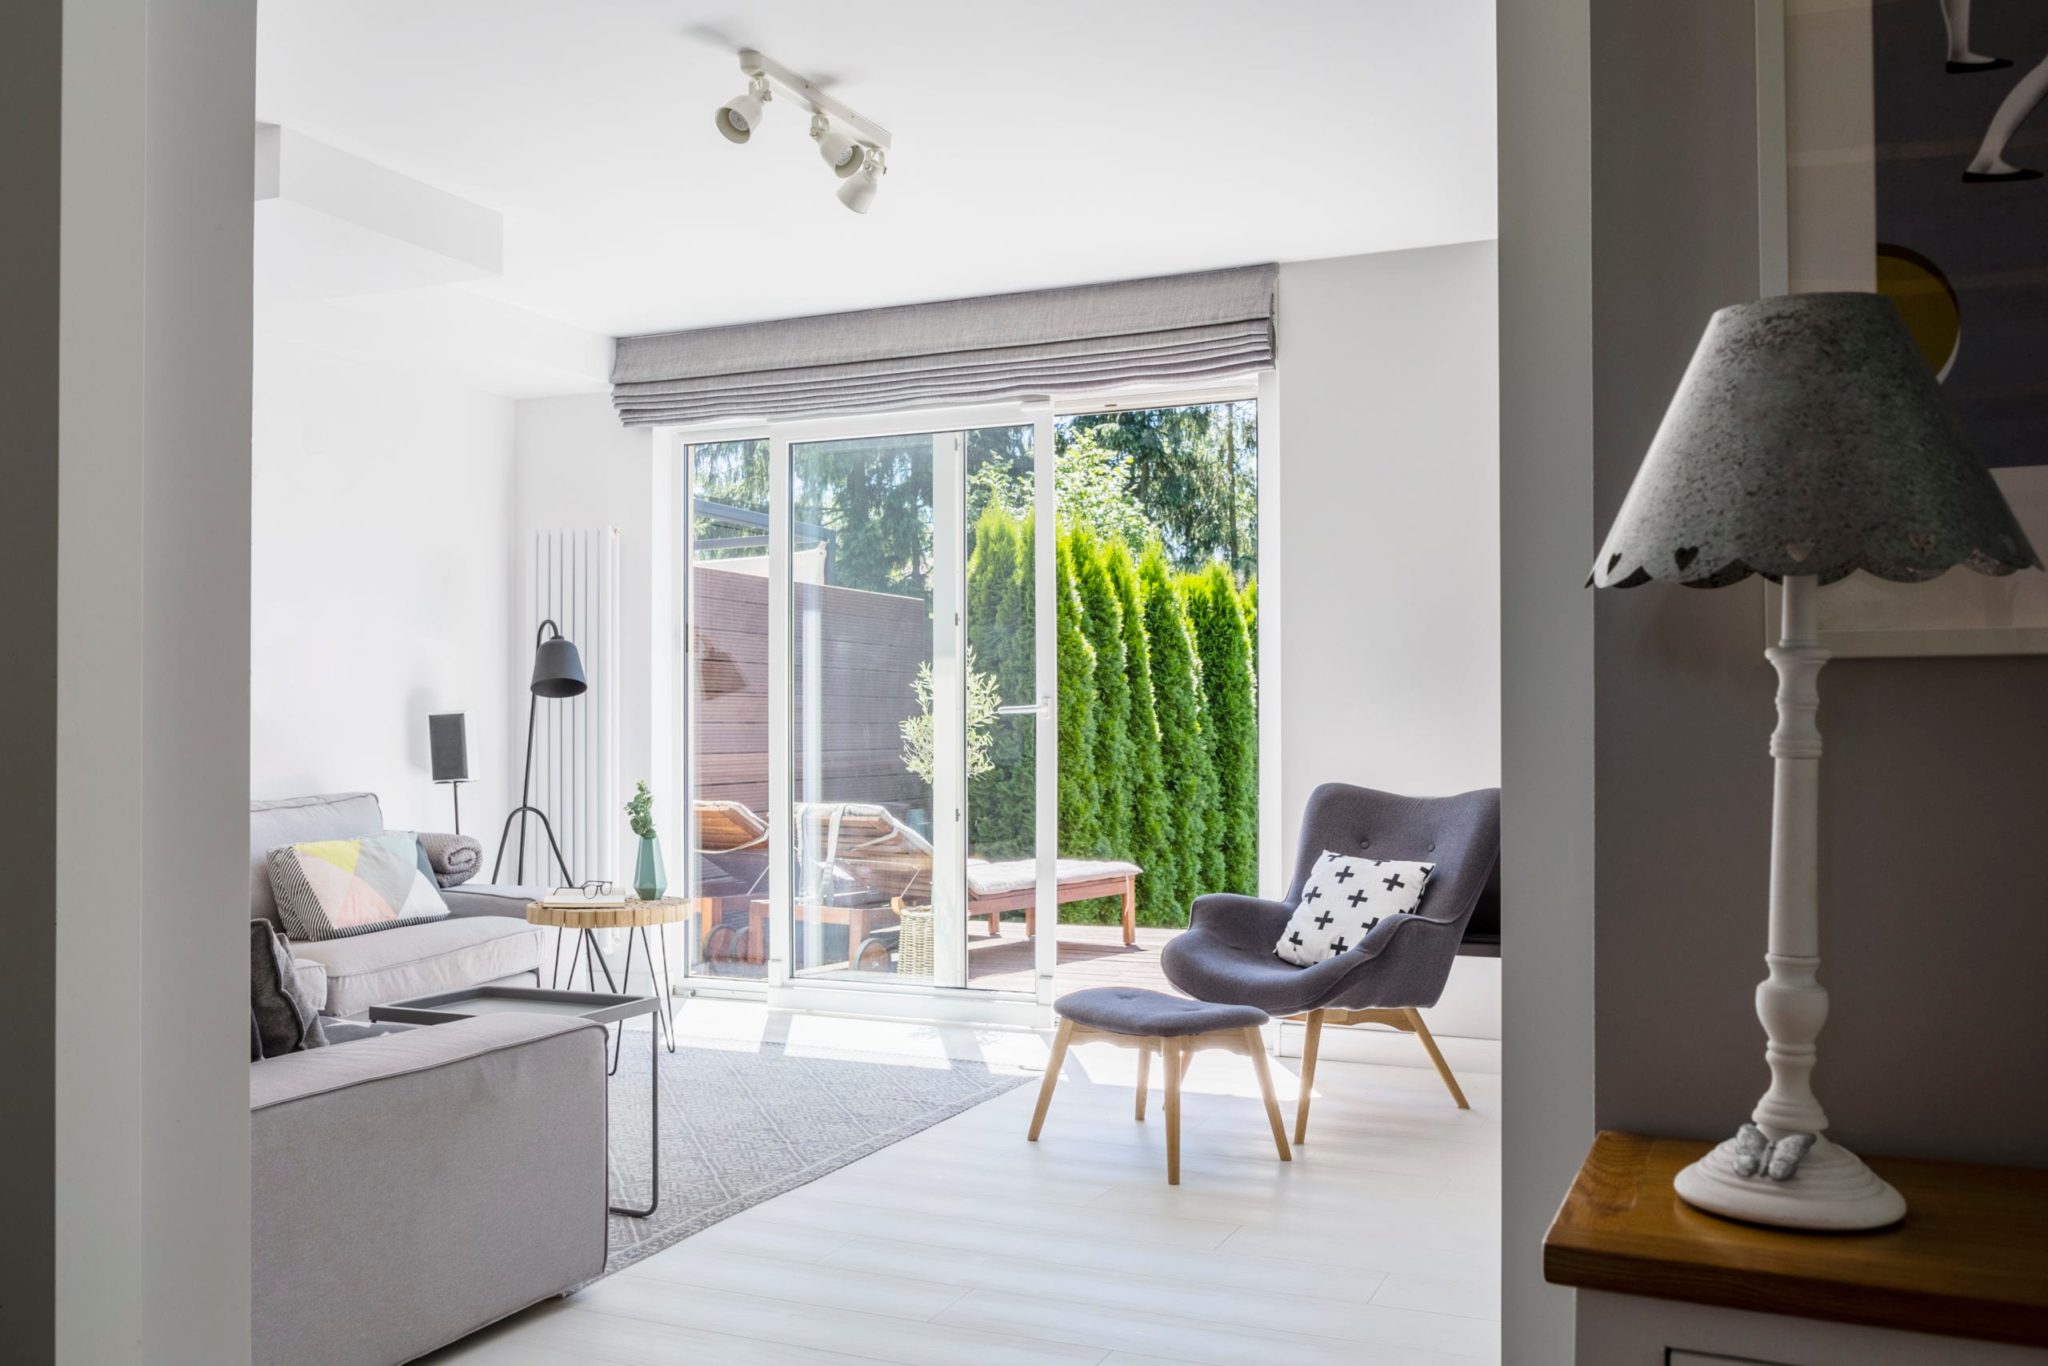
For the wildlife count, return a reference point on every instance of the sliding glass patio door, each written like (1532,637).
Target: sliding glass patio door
(910,736)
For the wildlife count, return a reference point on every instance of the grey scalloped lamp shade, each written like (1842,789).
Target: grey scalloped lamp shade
(1809,437)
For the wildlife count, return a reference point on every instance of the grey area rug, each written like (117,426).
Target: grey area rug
(740,1124)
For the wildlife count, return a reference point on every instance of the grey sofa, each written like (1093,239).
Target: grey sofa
(485,938)
(410,1188)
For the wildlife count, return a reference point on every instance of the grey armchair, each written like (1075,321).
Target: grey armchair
(1396,971)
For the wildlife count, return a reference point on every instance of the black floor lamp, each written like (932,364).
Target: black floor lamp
(557,673)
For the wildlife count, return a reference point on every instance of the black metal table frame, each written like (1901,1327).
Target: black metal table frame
(594,962)
(616,1008)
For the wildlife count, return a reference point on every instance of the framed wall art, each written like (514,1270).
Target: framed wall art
(1903,148)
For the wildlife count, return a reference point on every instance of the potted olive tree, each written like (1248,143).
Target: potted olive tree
(649,881)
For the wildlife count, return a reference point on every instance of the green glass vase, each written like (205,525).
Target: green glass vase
(649,881)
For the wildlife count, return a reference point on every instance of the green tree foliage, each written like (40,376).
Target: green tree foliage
(1193,473)
(870,501)
(1102,619)
(1094,490)
(1150,842)
(1080,818)
(1000,629)
(1188,780)
(1230,721)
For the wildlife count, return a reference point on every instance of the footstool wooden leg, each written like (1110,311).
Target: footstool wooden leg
(1144,1071)
(1052,1076)
(1311,1041)
(1174,1067)
(1255,1044)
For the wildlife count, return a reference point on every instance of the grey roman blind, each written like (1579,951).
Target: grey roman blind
(1163,330)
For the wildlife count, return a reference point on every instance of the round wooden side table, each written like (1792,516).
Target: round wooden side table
(634,918)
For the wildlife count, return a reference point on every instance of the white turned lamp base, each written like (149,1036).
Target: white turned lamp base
(1831,1192)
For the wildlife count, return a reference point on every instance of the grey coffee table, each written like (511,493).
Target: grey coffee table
(603,1007)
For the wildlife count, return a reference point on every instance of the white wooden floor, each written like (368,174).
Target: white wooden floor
(967,1246)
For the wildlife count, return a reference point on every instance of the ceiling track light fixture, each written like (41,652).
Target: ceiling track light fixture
(855,147)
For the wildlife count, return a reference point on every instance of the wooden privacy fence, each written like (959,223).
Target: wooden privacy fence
(856,659)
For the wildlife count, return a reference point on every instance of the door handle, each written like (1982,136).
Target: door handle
(1024,709)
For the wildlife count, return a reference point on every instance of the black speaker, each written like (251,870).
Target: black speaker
(448,743)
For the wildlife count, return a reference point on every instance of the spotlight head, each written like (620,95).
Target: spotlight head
(738,117)
(858,191)
(841,152)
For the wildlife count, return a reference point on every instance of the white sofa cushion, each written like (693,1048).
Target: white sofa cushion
(413,960)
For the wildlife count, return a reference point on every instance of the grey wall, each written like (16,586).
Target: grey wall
(30,98)
(1546,490)
(151,1175)
(1934,872)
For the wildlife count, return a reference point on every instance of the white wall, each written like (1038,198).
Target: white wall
(1384,563)
(382,583)
(577,468)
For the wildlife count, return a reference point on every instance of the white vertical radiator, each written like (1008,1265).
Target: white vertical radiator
(572,579)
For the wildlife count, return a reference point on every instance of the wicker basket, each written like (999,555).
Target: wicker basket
(914,946)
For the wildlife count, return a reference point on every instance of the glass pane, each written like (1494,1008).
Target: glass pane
(727,714)
(863,744)
(1002,720)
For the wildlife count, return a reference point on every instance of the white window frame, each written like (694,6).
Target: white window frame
(949,1003)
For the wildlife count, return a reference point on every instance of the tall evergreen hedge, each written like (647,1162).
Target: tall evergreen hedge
(1000,634)
(1080,817)
(1189,781)
(1249,600)
(1102,618)
(1157,718)
(1151,841)
(1230,721)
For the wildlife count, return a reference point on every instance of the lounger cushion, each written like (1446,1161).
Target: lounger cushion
(1015,875)
(1133,1010)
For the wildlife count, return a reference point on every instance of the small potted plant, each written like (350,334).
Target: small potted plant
(649,881)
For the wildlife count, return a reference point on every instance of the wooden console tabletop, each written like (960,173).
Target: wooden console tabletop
(1970,1260)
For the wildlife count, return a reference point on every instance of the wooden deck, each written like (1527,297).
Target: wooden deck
(1090,956)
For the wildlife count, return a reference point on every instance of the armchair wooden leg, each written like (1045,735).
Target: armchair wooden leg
(1443,1069)
(1255,1044)
(1144,1070)
(1176,1065)
(1052,1076)
(1311,1041)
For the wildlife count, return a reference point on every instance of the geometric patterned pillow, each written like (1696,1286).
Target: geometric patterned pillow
(1344,898)
(330,888)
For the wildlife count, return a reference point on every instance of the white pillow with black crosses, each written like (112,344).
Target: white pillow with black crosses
(1343,899)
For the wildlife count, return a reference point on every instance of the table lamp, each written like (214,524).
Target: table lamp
(1807,440)
(557,673)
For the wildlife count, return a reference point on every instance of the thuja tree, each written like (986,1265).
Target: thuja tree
(1150,842)
(1000,618)
(1187,779)
(1102,618)
(1230,720)
(1248,599)
(1080,823)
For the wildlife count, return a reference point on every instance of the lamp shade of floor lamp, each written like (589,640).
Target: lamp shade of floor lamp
(448,750)
(1807,440)
(557,674)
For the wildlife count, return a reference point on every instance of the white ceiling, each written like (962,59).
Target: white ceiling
(1053,143)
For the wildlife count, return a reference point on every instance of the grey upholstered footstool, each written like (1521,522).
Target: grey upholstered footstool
(1176,1028)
